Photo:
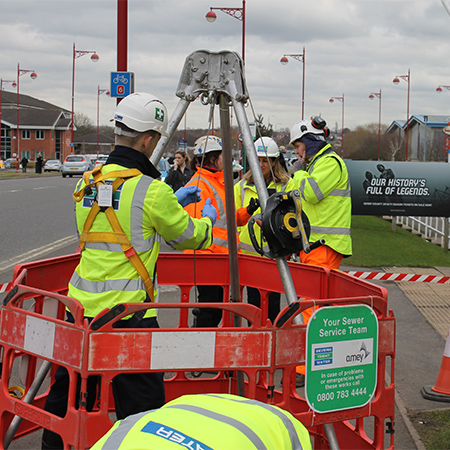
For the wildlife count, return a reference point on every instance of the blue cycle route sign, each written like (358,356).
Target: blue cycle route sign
(122,84)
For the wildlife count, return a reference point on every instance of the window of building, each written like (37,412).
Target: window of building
(26,134)
(40,134)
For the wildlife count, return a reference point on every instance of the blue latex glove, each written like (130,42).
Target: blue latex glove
(187,195)
(209,211)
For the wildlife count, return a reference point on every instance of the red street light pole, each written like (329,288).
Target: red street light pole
(372,96)
(299,57)
(341,99)
(1,100)
(77,54)
(237,13)
(99,92)
(396,80)
(33,76)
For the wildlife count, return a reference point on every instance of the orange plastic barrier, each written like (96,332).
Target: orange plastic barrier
(258,350)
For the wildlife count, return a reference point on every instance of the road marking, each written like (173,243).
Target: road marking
(37,252)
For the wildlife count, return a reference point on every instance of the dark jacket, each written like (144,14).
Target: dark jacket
(176,178)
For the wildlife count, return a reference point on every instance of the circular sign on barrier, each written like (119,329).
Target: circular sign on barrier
(341,357)
(446,129)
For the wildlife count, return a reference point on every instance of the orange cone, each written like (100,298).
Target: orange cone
(441,390)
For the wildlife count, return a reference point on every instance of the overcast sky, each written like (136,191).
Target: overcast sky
(353,48)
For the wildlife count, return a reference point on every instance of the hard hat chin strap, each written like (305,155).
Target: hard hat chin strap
(120,132)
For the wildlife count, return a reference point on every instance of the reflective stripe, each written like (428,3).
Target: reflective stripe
(137,216)
(295,440)
(187,234)
(331,230)
(221,242)
(222,222)
(244,429)
(98,287)
(106,246)
(116,438)
(314,186)
(340,193)
(250,248)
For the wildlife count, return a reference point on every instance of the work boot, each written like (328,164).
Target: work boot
(299,380)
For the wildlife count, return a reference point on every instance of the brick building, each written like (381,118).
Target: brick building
(43,128)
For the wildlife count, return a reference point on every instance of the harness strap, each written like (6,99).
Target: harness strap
(117,236)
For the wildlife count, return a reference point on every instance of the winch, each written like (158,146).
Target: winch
(285,227)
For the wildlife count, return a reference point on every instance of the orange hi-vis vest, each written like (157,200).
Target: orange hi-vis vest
(212,185)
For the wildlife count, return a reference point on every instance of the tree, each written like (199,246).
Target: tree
(261,129)
(83,124)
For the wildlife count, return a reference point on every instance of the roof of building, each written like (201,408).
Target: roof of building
(432,121)
(34,113)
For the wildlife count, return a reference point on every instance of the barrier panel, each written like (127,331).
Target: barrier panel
(262,351)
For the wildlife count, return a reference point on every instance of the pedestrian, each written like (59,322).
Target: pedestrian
(180,173)
(142,209)
(276,179)
(39,163)
(24,162)
(209,177)
(209,421)
(325,192)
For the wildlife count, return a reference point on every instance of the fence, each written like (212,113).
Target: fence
(433,229)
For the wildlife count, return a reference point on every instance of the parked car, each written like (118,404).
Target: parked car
(76,165)
(101,160)
(10,163)
(53,165)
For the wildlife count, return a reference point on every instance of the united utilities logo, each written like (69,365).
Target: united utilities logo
(358,357)
(323,356)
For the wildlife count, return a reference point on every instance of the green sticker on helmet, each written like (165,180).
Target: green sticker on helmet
(159,114)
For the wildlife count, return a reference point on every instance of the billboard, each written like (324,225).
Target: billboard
(399,188)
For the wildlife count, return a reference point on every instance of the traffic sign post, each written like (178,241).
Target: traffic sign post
(341,357)
(122,84)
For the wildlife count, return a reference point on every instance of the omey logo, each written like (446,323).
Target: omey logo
(360,356)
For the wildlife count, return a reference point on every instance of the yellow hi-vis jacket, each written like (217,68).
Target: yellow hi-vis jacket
(207,422)
(325,192)
(243,193)
(147,211)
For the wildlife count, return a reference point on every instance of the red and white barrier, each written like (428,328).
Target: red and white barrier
(383,276)
(5,287)
(398,277)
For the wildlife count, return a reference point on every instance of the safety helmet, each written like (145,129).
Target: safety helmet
(316,127)
(207,144)
(141,112)
(267,147)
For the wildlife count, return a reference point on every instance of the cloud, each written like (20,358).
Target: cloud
(353,47)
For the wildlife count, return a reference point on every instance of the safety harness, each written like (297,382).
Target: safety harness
(117,236)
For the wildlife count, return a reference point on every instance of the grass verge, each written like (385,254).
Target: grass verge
(433,428)
(375,245)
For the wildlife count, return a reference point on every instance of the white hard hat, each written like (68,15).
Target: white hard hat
(316,126)
(206,144)
(141,112)
(267,147)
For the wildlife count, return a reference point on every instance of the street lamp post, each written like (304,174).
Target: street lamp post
(2,81)
(299,57)
(237,13)
(396,80)
(77,54)
(372,96)
(340,99)
(99,92)
(33,76)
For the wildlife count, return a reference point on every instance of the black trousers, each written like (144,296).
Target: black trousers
(254,298)
(133,393)
(209,317)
